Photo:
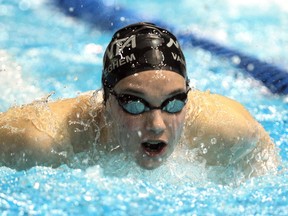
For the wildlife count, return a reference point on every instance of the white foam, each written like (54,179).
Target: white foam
(15,88)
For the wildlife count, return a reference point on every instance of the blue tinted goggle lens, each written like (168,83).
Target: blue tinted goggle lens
(135,105)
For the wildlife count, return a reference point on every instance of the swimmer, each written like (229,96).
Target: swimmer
(145,109)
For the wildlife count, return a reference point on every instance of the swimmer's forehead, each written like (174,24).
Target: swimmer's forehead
(164,81)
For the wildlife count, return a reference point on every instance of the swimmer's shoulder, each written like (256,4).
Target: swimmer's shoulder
(228,133)
(60,109)
(81,105)
(43,129)
(80,117)
(209,104)
(214,116)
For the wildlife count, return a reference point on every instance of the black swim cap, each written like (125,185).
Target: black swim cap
(141,47)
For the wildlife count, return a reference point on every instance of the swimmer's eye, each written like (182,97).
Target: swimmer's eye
(174,104)
(135,105)
(132,104)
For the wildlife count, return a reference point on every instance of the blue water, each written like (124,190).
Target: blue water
(44,51)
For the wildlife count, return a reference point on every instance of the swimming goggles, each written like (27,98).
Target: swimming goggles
(135,105)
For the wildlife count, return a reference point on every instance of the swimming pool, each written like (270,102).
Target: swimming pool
(44,51)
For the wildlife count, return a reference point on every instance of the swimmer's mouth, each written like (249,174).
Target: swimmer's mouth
(154,148)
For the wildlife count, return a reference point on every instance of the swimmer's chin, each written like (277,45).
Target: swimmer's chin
(149,165)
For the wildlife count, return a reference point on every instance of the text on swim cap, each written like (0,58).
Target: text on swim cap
(175,56)
(171,42)
(118,45)
(119,62)
(126,51)
(178,58)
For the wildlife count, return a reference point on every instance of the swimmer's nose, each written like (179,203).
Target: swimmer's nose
(155,122)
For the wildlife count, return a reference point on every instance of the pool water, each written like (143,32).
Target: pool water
(43,51)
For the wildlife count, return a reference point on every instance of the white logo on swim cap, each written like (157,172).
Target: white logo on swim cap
(171,42)
(119,46)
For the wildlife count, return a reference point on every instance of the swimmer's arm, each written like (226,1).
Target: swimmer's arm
(226,134)
(38,134)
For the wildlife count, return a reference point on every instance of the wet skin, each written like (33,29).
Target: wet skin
(50,133)
(139,135)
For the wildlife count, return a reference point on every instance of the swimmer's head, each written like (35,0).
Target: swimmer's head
(140,47)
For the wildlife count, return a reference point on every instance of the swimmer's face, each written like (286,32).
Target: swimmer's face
(149,137)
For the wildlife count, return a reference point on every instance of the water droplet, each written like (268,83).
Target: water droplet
(236,60)
(213,141)
(250,67)
(88,198)
(36,185)
(63,153)
(258,157)
(139,133)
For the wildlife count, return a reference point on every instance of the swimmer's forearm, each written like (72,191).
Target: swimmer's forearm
(23,145)
(45,133)
(27,138)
